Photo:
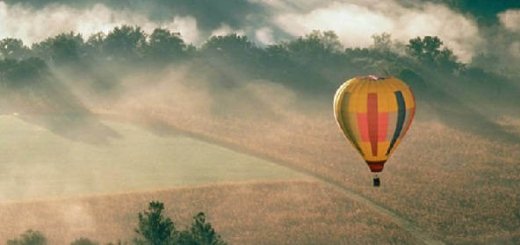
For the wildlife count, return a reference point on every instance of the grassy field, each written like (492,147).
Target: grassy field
(274,212)
(459,186)
(36,163)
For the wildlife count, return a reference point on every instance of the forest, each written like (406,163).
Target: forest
(313,65)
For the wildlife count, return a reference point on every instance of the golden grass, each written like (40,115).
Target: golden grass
(37,163)
(459,186)
(281,212)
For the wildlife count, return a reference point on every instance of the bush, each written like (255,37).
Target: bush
(30,237)
(83,241)
(201,233)
(156,229)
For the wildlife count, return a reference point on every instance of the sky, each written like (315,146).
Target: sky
(468,27)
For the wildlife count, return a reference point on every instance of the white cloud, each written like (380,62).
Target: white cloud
(224,29)
(355,23)
(289,5)
(36,25)
(187,26)
(264,35)
(510,19)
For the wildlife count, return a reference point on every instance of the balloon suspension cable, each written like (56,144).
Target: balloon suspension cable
(377,181)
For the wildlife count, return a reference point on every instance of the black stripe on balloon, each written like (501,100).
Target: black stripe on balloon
(401,114)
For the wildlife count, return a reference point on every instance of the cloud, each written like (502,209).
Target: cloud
(264,35)
(355,22)
(226,30)
(510,19)
(187,26)
(264,21)
(36,25)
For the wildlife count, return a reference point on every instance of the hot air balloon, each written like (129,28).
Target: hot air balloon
(374,113)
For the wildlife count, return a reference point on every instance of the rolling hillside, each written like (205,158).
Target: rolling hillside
(37,163)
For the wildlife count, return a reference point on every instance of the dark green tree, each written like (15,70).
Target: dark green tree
(308,63)
(203,233)
(231,47)
(63,49)
(164,45)
(221,54)
(83,241)
(21,73)
(315,47)
(430,51)
(124,43)
(94,45)
(11,48)
(30,237)
(155,228)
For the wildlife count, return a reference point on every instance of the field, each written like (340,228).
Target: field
(37,163)
(452,185)
(276,212)
(456,185)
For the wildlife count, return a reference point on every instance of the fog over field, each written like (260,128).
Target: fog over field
(103,102)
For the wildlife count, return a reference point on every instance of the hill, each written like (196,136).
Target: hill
(276,212)
(39,164)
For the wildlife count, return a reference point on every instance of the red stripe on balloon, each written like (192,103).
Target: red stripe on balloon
(363,126)
(372,118)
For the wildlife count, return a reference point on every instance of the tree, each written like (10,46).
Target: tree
(16,73)
(154,227)
(428,51)
(315,46)
(67,48)
(202,233)
(220,53)
(125,43)
(11,48)
(164,45)
(425,49)
(230,46)
(382,43)
(94,44)
(83,241)
(30,237)
(157,229)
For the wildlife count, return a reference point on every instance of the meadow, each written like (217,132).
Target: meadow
(457,185)
(92,118)
(252,212)
(39,164)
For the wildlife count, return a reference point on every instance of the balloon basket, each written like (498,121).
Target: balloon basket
(377,181)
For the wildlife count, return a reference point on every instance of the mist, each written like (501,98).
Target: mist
(259,77)
(265,22)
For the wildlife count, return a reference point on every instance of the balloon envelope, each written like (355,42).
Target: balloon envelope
(374,113)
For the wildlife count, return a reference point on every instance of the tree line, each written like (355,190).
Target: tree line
(153,228)
(315,61)
(313,66)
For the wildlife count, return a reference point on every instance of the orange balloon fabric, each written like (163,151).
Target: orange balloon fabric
(374,113)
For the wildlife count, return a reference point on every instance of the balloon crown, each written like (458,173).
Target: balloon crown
(374,77)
